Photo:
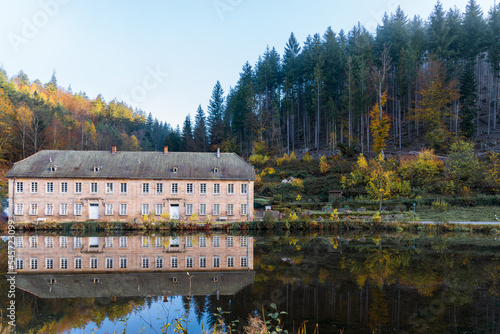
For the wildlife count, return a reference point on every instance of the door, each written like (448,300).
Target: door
(94,242)
(94,211)
(174,211)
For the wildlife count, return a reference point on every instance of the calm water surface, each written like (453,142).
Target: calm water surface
(344,283)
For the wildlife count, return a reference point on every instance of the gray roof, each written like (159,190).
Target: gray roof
(134,284)
(132,165)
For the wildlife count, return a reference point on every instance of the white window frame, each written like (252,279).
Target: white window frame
(123,242)
(243,261)
(230,261)
(108,209)
(189,188)
(49,242)
(78,263)
(19,242)
(230,209)
(159,188)
(174,262)
(49,263)
(64,187)
(78,209)
(63,242)
(34,187)
(203,261)
(158,209)
(77,242)
(145,263)
(34,263)
(145,209)
(109,187)
(123,263)
(216,209)
(203,188)
(189,262)
(203,241)
(49,187)
(244,189)
(230,241)
(174,188)
(189,209)
(145,242)
(93,187)
(63,263)
(243,241)
(108,241)
(203,209)
(216,241)
(93,263)
(123,209)
(216,261)
(33,242)
(19,209)
(19,264)
(216,188)
(33,209)
(145,188)
(63,209)
(230,188)
(189,242)
(19,187)
(123,187)
(109,263)
(78,187)
(243,209)
(49,209)
(159,262)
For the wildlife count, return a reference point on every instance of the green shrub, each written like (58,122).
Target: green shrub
(440,205)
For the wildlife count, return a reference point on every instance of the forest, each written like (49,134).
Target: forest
(413,82)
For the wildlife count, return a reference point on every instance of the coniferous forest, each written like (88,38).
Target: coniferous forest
(414,80)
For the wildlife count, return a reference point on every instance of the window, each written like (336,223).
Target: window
(175,188)
(230,209)
(123,262)
(53,168)
(33,209)
(145,262)
(216,261)
(93,263)
(243,241)
(203,241)
(145,241)
(64,263)
(230,242)
(216,241)
(244,188)
(34,263)
(230,261)
(216,210)
(159,209)
(19,242)
(78,209)
(203,209)
(109,209)
(49,263)
(97,168)
(49,209)
(63,242)
(189,209)
(108,241)
(189,262)
(243,210)
(123,242)
(33,242)
(78,242)
(145,188)
(189,241)
(175,169)
(159,188)
(19,264)
(243,261)
(203,262)
(93,187)
(230,188)
(158,242)
(109,263)
(78,187)
(19,187)
(63,209)
(49,242)
(19,209)
(49,187)
(123,188)
(34,187)
(145,210)
(123,209)
(159,262)
(109,187)
(189,188)
(78,263)
(64,187)
(217,189)
(216,170)
(174,262)
(174,241)
(203,188)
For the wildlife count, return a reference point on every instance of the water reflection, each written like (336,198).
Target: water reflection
(75,267)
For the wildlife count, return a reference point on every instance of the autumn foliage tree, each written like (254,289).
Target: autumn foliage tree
(379,125)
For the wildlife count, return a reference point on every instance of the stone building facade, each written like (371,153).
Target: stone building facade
(69,186)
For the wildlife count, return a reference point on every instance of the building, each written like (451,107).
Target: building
(72,186)
(128,266)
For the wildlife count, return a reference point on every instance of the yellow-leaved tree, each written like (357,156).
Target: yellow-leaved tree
(379,125)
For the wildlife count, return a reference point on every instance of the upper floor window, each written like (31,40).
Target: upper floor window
(217,189)
(50,187)
(34,187)
(109,187)
(244,188)
(64,187)
(189,188)
(145,188)
(93,187)
(203,188)
(230,188)
(175,188)
(19,187)
(123,188)
(159,188)
(78,187)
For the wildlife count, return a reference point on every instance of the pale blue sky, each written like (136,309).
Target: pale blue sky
(165,56)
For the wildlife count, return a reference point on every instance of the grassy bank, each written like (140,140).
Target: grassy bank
(474,214)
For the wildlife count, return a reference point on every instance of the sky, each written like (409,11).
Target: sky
(165,56)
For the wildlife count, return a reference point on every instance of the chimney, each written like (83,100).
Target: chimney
(165,149)
(113,149)
(218,152)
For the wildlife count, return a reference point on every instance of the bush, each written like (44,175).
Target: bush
(269,220)
(307,157)
(440,205)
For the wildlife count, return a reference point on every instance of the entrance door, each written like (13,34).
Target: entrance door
(94,242)
(94,211)
(174,211)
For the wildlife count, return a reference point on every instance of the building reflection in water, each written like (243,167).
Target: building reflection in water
(72,267)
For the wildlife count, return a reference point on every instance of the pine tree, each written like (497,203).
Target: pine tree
(187,135)
(468,100)
(200,139)
(215,117)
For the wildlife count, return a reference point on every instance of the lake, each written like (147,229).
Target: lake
(347,283)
